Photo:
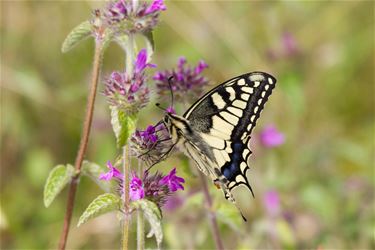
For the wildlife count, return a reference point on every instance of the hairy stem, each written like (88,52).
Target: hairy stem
(140,231)
(140,219)
(126,157)
(211,214)
(83,143)
(126,220)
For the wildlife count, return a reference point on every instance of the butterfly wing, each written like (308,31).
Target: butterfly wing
(224,119)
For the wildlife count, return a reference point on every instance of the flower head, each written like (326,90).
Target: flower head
(289,44)
(129,93)
(149,145)
(271,202)
(187,81)
(112,173)
(125,17)
(271,137)
(173,181)
(155,187)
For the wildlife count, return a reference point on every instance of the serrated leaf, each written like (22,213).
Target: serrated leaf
(102,204)
(123,125)
(93,171)
(56,181)
(150,45)
(78,34)
(153,215)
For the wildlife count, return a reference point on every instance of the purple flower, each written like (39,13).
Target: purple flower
(154,191)
(123,18)
(112,173)
(201,66)
(129,93)
(136,190)
(173,181)
(270,137)
(156,187)
(187,81)
(271,202)
(151,144)
(157,5)
(141,62)
(149,134)
(289,44)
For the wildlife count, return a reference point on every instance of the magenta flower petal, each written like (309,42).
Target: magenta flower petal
(201,66)
(136,190)
(173,181)
(157,5)
(112,173)
(271,137)
(141,62)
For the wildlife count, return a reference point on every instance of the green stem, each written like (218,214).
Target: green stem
(130,55)
(83,144)
(211,214)
(140,230)
(126,220)
(126,157)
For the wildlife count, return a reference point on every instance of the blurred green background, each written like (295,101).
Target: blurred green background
(322,54)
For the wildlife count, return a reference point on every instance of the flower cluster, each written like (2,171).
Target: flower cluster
(129,17)
(156,187)
(149,145)
(187,82)
(272,202)
(271,137)
(287,48)
(129,93)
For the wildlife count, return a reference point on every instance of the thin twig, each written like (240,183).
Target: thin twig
(82,145)
(212,215)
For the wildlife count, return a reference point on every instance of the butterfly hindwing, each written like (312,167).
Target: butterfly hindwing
(224,119)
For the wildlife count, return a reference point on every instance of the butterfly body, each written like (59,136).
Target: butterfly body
(215,131)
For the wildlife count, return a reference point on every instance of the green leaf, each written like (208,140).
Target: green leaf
(56,181)
(123,125)
(102,204)
(93,171)
(78,34)
(152,213)
(150,45)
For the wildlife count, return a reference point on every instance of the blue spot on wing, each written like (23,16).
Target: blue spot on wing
(231,169)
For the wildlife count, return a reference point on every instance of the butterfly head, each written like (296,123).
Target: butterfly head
(176,125)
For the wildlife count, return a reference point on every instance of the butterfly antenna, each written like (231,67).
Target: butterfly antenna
(170,81)
(158,105)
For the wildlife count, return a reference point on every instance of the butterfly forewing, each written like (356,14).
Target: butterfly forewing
(225,117)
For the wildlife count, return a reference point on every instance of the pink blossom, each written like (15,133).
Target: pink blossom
(112,173)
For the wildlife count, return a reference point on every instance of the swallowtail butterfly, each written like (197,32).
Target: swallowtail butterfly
(215,131)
